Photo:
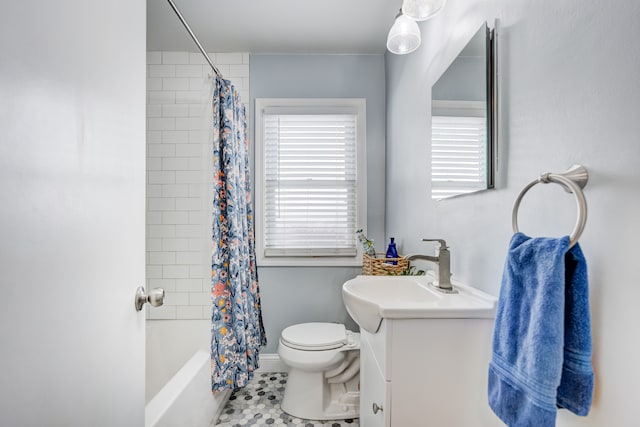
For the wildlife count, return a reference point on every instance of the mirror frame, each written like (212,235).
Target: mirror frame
(492,106)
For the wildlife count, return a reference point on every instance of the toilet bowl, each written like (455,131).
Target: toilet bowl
(324,371)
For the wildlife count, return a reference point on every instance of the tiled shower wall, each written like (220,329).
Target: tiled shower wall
(179,190)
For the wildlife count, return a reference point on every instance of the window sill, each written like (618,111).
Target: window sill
(309,262)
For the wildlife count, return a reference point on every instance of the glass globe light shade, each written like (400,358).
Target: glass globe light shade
(404,36)
(420,10)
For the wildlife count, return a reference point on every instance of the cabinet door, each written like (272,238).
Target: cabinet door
(375,392)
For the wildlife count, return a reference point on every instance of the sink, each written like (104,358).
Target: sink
(369,299)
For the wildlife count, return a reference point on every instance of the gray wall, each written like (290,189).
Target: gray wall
(569,94)
(293,295)
(463,81)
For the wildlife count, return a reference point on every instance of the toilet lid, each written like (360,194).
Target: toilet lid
(315,336)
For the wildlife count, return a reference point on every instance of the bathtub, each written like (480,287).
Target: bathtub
(186,400)
(179,375)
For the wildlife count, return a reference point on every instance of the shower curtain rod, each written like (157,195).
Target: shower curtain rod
(193,36)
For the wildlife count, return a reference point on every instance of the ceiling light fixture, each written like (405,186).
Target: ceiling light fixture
(421,10)
(404,35)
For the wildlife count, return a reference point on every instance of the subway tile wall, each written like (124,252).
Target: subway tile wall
(178,251)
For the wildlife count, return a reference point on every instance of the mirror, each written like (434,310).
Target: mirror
(462,121)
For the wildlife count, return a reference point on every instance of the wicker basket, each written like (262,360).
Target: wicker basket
(379,266)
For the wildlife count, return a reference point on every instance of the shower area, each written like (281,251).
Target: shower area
(180,192)
(179,200)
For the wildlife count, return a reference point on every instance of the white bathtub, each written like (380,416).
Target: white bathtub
(186,400)
(179,375)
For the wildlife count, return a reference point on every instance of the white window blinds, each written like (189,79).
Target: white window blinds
(459,155)
(310,184)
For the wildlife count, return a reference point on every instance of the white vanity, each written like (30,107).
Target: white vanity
(424,354)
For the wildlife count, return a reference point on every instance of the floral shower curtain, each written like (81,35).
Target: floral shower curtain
(237,328)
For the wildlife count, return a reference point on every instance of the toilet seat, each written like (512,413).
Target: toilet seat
(315,336)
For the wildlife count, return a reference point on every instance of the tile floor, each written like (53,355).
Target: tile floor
(258,404)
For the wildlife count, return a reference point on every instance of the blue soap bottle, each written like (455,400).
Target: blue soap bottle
(392,252)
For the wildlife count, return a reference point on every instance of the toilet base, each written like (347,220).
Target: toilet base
(308,395)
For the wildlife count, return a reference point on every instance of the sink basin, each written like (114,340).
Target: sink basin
(369,299)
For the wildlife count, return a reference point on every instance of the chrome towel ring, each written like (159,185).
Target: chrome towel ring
(573,181)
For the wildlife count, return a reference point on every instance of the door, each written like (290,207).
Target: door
(72,182)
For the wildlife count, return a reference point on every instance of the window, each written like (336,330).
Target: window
(310,180)
(459,148)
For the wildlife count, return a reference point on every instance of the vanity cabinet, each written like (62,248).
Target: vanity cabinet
(426,372)
(375,390)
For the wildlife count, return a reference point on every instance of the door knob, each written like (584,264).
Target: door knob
(155,297)
(376,408)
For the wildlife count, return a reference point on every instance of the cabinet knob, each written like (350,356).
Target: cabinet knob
(376,408)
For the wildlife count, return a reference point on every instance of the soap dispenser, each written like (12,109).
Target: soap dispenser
(392,252)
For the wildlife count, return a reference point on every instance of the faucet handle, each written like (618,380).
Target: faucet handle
(443,244)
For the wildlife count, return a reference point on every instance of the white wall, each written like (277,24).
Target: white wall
(179,179)
(569,94)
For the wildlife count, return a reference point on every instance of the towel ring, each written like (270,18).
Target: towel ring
(573,181)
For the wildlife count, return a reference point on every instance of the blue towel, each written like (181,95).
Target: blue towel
(542,339)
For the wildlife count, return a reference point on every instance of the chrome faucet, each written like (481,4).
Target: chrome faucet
(444,265)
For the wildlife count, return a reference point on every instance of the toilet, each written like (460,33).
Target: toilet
(324,371)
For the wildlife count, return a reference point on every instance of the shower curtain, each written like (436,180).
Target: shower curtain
(237,328)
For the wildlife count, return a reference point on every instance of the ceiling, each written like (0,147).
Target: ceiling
(273,26)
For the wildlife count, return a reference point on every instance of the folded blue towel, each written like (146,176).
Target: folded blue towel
(542,338)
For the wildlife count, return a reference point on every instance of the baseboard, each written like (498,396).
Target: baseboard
(270,362)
